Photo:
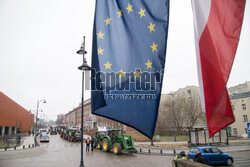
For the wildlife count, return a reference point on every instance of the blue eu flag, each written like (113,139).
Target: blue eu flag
(128,59)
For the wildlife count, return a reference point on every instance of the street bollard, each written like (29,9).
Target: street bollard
(32,145)
(174,152)
(14,147)
(149,151)
(174,138)
(140,150)
(23,146)
(5,148)
(29,145)
(161,151)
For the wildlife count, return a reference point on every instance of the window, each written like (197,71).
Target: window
(215,150)
(244,106)
(246,130)
(235,131)
(189,91)
(194,150)
(245,118)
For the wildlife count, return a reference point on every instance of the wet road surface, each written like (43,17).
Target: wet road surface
(62,153)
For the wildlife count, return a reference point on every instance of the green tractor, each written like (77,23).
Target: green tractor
(74,135)
(114,139)
(99,136)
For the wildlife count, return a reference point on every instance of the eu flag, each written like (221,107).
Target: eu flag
(128,59)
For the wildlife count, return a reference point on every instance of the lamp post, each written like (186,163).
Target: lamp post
(83,67)
(37,107)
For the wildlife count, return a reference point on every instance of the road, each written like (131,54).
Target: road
(61,153)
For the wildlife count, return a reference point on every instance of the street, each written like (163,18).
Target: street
(59,152)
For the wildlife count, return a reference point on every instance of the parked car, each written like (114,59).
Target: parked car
(211,155)
(44,137)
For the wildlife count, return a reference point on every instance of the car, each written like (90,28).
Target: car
(211,155)
(53,131)
(44,137)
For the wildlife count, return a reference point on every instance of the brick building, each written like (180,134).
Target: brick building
(13,117)
(73,118)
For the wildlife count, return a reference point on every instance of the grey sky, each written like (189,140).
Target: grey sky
(39,40)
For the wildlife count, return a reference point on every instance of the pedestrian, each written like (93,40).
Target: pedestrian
(87,144)
(182,155)
(198,158)
(92,143)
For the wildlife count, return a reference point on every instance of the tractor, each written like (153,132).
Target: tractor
(74,134)
(99,136)
(116,141)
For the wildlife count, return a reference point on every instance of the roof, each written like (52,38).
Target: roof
(240,95)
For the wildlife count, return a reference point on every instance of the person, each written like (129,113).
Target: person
(87,144)
(198,158)
(92,143)
(182,155)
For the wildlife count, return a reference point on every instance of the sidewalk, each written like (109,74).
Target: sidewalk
(25,141)
(176,147)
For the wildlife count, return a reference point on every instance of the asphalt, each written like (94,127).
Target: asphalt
(159,147)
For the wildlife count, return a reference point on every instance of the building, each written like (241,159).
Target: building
(241,88)
(90,121)
(241,107)
(13,117)
(73,117)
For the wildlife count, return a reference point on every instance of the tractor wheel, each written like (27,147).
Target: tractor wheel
(105,145)
(99,146)
(117,149)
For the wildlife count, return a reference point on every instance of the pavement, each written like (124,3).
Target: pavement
(26,142)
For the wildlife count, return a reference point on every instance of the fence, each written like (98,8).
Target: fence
(10,141)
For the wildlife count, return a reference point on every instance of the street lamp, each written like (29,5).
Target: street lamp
(83,67)
(37,107)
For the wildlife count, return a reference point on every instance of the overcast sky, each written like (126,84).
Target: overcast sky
(39,40)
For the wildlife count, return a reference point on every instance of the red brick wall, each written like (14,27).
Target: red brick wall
(14,115)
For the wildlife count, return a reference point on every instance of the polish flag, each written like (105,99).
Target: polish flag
(217,29)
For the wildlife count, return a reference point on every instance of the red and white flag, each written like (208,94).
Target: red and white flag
(217,29)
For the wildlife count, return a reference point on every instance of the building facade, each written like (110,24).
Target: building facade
(241,88)
(90,121)
(13,117)
(241,108)
(73,117)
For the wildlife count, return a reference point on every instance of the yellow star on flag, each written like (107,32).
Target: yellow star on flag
(100,51)
(154,47)
(121,73)
(142,13)
(151,27)
(129,8)
(119,13)
(107,65)
(149,64)
(100,35)
(137,74)
(107,21)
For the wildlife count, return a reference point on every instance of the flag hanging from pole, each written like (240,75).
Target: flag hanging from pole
(128,59)
(217,30)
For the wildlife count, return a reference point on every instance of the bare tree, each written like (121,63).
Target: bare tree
(179,112)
